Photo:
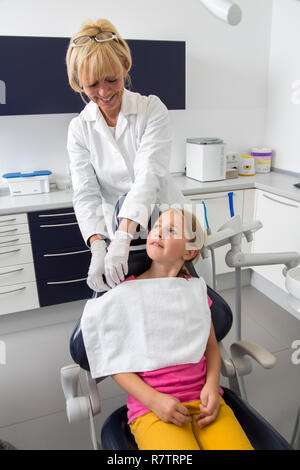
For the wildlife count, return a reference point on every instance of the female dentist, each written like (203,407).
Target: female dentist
(119,144)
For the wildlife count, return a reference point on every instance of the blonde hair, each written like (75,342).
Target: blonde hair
(95,60)
(194,234)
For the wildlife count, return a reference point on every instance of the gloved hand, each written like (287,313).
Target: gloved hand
(96,270)
(116,260)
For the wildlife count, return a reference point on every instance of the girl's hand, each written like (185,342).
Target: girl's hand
(210,404)
(170,410)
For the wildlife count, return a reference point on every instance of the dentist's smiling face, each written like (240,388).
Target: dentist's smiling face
(107,93)
(166,241)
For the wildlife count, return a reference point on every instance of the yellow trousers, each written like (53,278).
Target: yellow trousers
(225,433)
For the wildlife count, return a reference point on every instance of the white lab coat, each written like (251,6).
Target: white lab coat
(135,161)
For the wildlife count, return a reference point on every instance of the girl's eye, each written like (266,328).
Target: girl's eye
(93,85)
(111,80)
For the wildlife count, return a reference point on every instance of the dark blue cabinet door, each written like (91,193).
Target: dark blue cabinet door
(61,258)
(54,230)
(52,294)
(61,265)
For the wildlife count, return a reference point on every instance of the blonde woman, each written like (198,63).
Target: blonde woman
(180,407)
(119,144)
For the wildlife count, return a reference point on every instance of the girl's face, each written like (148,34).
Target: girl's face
(166,241)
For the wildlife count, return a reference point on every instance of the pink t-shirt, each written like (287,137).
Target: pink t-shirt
(184,382)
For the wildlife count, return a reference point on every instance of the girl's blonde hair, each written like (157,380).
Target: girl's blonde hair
(94,60)
(194,234)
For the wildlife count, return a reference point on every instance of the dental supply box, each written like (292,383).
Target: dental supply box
(35,182)
(205,159)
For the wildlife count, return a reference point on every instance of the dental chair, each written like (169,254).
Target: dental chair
(115,433)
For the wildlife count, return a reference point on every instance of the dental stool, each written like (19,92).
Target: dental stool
(116,435)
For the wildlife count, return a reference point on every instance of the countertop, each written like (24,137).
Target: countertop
(273,182)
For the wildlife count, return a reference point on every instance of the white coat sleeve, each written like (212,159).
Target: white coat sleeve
(151,165)
(87,200)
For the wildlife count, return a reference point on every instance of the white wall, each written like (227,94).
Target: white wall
(283,108)
(226,72)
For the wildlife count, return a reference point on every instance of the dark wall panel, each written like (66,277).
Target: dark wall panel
(33,78)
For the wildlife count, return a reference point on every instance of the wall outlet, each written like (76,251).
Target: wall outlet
(231,157)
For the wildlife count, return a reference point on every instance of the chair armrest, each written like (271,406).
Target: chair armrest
(227,367)
(240,349)
(69,376)
(79,407)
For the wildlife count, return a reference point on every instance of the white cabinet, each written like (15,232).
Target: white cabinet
(218,212)
(18,290)
(18,297)
(280,232)
(12,219)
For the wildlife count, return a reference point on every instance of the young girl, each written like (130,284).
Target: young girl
(180,407)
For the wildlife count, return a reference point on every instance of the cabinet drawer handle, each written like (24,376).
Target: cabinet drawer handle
(10,241)
(209,198)
(58,225)
(7,220)
(12,271)
(281,202)
(14,290)
(66,254)
(10,230)
(56,215)
(10,251)
(66,282)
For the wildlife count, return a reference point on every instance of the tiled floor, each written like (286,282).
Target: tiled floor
(274,393)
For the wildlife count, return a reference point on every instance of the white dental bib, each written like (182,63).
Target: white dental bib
(146,324)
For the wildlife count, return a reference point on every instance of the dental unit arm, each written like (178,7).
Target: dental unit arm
(232,233)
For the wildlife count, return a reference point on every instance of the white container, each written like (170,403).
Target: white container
(205,159)
(246,165)
(263,159)
(32,183)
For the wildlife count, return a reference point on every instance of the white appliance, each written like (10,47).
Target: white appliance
(35,182)
(205,159)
